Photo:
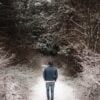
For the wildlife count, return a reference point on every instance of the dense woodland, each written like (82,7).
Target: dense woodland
(50,25)
(56,27)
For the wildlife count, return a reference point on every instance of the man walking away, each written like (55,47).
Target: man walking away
(50,75)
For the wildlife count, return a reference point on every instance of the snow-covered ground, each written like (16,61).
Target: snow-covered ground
(26,83)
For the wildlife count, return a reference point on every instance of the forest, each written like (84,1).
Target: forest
(35,31)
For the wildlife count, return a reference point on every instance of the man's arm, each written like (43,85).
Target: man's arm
(44,74)
(56,74)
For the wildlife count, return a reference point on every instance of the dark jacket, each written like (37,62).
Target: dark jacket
(50,74)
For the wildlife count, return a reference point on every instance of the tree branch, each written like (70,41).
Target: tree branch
(77,31)
(77,24)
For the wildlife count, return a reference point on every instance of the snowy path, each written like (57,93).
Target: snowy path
(63,91)
(29,85)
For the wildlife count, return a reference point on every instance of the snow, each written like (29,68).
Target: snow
(49,0)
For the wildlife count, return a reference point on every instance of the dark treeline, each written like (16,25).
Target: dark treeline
(29,22)
(52,28)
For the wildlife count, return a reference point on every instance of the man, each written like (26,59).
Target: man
(50,75)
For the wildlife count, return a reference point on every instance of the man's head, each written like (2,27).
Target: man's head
(50,63)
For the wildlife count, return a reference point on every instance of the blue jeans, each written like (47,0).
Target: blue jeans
(50,90)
